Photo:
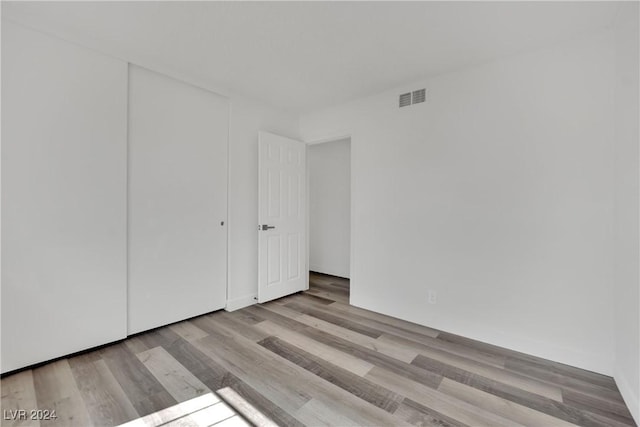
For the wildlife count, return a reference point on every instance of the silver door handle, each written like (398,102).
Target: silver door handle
(265,227)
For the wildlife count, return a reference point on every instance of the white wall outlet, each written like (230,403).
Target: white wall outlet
(432,297)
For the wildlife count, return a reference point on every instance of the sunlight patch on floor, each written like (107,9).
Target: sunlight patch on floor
(225,408)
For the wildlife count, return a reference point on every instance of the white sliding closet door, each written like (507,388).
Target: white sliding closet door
(177,200)
(64,130)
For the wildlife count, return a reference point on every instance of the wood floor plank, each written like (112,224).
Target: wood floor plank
(331,287)
(613,410)
(294,378)
(174,377)
(332,355)
(150,403)
(556,367)
(597,419)
(534,401)
(568,371)
(205,369)
(143,390)
(188,331)
(382,327)
(419,415)
(68,412)
(135,345)
(18,393)
(267,382)
(328,295)
(407,370)
(372,315)
(344,379)
(353,321)
(397,352)
(246,317)
(518,413)
(333,284)
(174,412)
(317,277)
(209,416)
(161,337)
(316,299)
(57,390)
(233,321)
(235,421)
(323,279)
(458,369)
(566,382)
(451,348)
(315,412)
(283,311)
(275,318)
(265,406)
(244,407)
(216,377)
(104,398)
(446,405)
(246,363)
(336,320)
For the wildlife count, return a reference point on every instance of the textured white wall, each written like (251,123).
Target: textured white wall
(496,194)
(330,207)
(626,234)
(50,66)
(64,194)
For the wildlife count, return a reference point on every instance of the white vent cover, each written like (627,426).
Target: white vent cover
(419,96)
(405,100)
(415,97)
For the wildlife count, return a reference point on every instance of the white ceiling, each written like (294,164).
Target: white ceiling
(302,56)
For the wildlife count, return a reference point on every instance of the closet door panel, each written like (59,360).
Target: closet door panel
(64,113)
(177,200)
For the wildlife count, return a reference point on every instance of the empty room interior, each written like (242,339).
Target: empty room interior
(320,213)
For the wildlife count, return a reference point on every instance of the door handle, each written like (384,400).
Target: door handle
(265,227)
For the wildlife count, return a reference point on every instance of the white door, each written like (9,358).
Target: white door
(177,200)
(282,217)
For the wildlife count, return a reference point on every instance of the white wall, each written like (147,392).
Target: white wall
(247,119)
(64,193)
(497,194)
(330,207)
(627,214)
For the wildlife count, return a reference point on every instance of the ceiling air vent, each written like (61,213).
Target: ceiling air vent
(405,99)
(419,96)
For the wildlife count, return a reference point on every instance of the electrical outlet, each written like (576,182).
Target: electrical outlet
(433,297)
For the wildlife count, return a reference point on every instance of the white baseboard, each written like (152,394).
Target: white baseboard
(629,395)
(242,302)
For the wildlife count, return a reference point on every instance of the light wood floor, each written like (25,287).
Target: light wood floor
(311,359)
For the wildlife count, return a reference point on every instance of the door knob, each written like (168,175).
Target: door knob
(265,227)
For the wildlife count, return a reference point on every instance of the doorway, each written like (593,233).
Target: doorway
(329,165)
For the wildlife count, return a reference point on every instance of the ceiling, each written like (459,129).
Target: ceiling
(302,56)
